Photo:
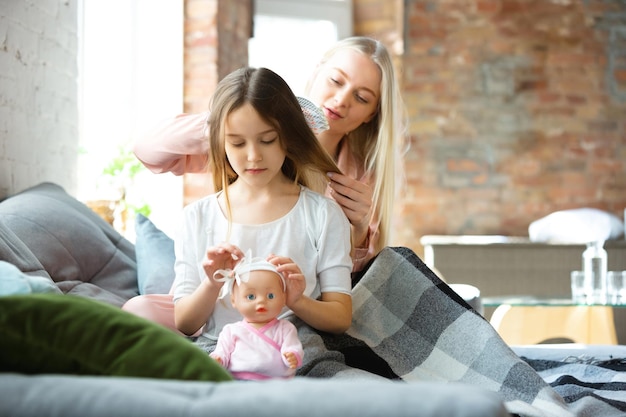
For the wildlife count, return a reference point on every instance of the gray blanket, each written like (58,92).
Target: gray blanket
(418,329)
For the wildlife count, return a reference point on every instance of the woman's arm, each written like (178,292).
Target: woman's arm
(355,199)
(179,145)
(364,253)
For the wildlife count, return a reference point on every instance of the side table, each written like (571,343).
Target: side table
(529,320)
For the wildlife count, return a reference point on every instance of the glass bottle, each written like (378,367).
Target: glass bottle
(595,269)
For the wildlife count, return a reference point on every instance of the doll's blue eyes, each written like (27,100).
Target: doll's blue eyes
(252,297)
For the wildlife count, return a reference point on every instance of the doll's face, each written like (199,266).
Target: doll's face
(261,299)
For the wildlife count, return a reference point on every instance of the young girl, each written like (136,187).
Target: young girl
(260,346)
(263,157)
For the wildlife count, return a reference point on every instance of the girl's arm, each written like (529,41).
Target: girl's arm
(332,313)
(179,145)
(191,312)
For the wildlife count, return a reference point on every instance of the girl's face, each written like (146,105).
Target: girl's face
(252,147)
(261,299)
(347,88)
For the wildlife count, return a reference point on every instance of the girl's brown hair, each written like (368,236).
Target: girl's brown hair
(306,161)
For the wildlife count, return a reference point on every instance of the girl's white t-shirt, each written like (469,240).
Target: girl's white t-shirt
(315,234)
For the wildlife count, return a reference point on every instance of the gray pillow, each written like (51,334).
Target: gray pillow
(154,251)
(68,242)
(14,251)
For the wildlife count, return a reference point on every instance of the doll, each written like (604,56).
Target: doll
(261,346)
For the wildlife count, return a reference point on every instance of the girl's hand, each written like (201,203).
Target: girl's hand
(294,280)
(222,256)
(355,199)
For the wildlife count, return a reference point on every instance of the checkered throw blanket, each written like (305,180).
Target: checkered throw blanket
(423,331)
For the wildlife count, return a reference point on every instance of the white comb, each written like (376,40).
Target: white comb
(314,115)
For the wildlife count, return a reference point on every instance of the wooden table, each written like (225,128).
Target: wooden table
(528,320)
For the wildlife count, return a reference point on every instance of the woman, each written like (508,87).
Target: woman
(356,87)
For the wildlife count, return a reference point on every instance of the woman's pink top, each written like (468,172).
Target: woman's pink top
(180,146)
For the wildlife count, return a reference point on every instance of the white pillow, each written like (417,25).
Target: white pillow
(576,226)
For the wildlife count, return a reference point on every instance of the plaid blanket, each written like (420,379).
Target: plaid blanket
(587,384)
(409,325)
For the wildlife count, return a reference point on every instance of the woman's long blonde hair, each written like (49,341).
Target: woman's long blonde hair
(306,161)
(379,144)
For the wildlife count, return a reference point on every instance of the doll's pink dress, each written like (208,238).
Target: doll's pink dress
(256,354)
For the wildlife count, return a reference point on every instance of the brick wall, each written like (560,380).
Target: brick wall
(216,43)
(38,94)
(516,108)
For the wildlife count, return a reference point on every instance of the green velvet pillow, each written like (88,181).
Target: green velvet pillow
(54,333)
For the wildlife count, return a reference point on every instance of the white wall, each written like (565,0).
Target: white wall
(38,94)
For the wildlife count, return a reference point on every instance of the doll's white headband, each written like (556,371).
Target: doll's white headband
(241,272)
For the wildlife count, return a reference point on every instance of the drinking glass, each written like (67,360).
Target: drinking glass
(616,285)
(579,291)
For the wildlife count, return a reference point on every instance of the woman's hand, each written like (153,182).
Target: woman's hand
(294,279)
(355,199)
(222,256)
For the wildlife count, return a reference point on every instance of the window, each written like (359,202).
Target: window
(291,36)
(128,82)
